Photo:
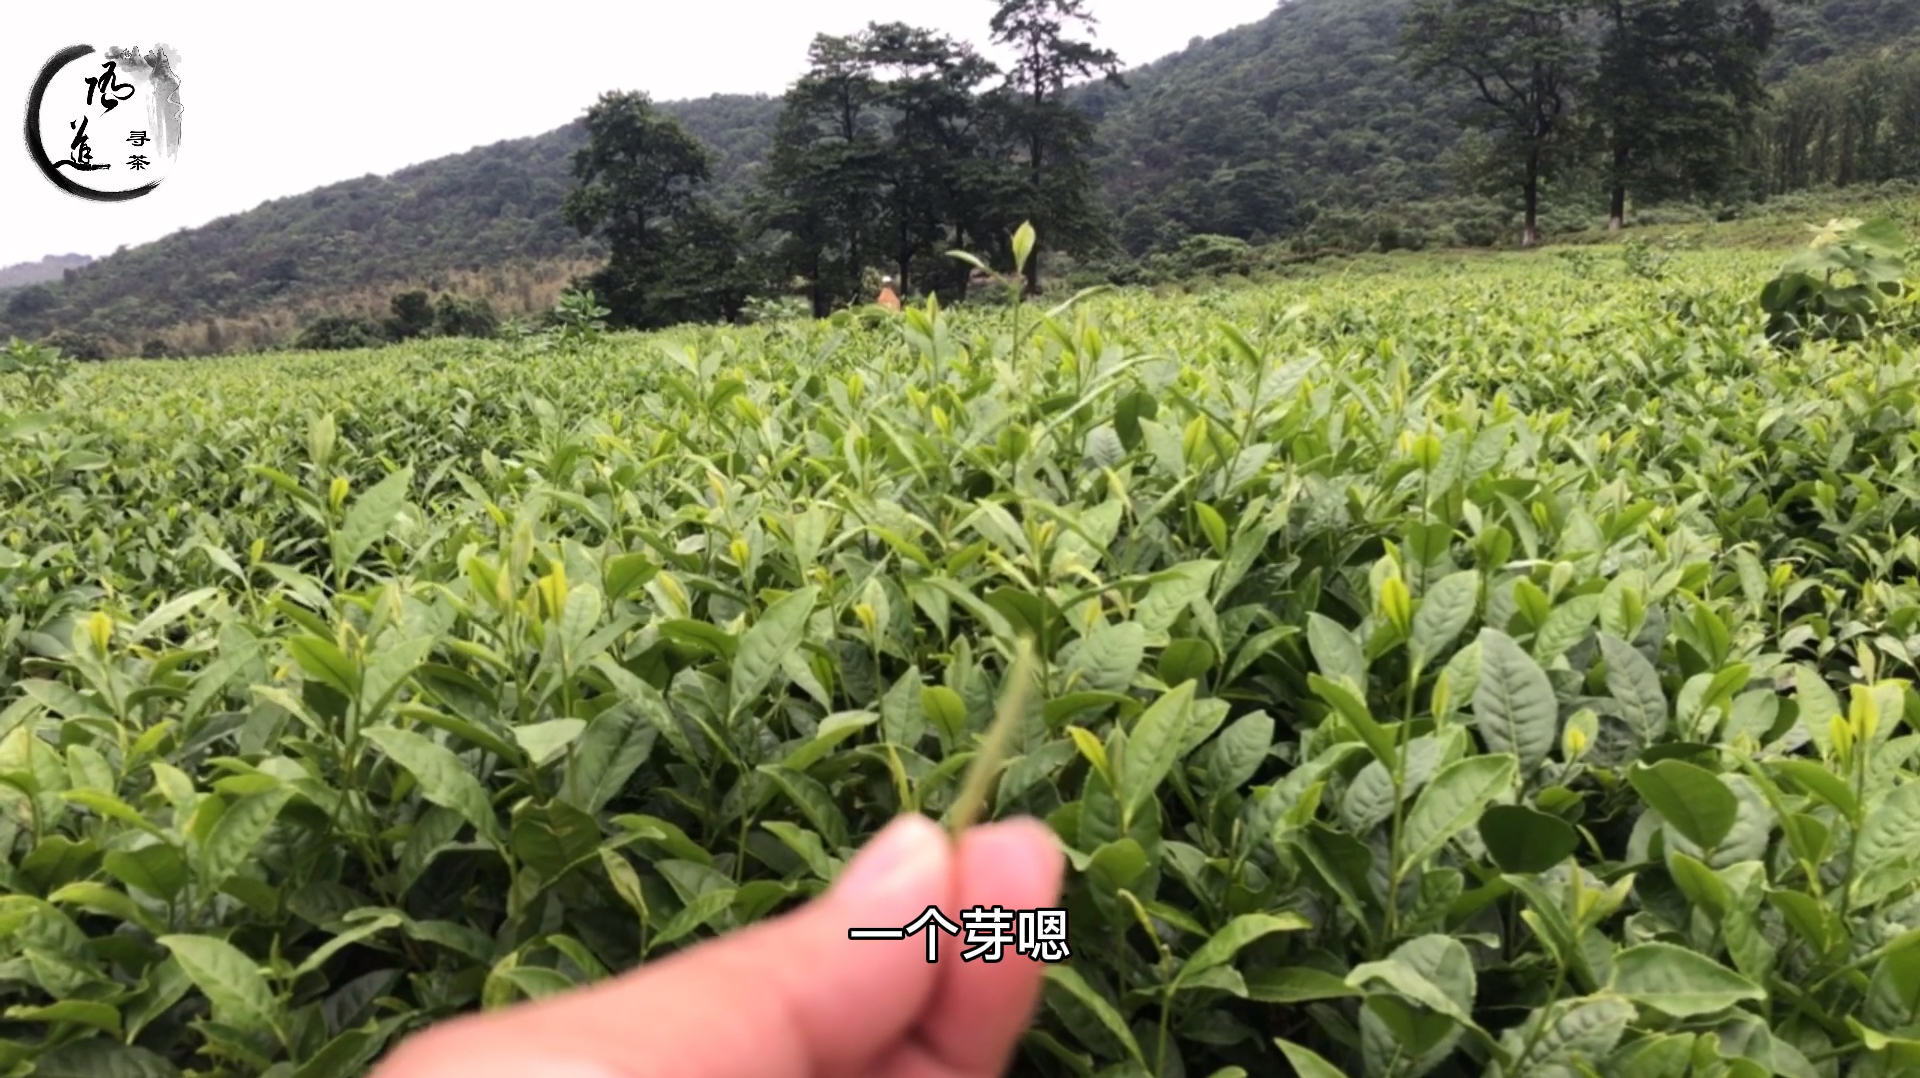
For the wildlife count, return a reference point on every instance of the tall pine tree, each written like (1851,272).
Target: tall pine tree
(1059,198)
(1677,87)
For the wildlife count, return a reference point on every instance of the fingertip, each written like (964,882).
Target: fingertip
(1020,857)
(981,1007)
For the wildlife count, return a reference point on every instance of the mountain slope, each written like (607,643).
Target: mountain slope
(491,209)
(1252,132)
(50,268)
(1231,135)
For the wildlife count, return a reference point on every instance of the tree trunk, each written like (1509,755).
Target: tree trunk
(1035,143)
(1530,237)
(1033,259)
(1617,212)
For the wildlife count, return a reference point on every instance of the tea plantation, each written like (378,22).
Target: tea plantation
(1444,667)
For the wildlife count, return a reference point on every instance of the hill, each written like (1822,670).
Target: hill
(1260,131)
(486,221)
(1303,124)
(50,268)
(1232,134)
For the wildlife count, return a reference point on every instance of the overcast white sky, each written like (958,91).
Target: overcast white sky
(283,98)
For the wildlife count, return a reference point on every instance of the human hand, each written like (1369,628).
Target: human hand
(793,997)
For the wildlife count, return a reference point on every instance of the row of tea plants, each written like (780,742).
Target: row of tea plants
(1444,669)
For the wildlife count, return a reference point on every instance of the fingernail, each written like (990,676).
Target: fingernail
(910,847)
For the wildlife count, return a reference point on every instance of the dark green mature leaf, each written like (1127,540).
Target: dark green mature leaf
(1891,832)
(1524,839)
(1514,705)
(238,831)
(158,869)
(1066,979)
(369,518)
(1224,944)
(1107,659)
(1306,1062)
(1336,651)
(323,660)
(1570,1032)
(1444,612)
(228,978)
(443,779)
(1690,798)
(1678,981)
(1153,747)
(101,1058)
(1452,802)
(765,646)
(616,743)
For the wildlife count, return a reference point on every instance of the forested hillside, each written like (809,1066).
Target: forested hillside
(1233,134)
(50,268)
(1304,125)
(494,208)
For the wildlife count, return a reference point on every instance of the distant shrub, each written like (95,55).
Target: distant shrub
(1479,230)
(1670,213)
(461,316)
(337,332)
(759,310)
(1209,256)
(81,346)
(155,348)
(412,315)
(578,318)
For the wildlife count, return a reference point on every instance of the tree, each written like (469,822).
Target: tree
(822,186)
(336,332)
(459,316)
(412,315)
(928,88)
(884,153)
(638,181)
(1524,60)
(1059,196)
(1678,86)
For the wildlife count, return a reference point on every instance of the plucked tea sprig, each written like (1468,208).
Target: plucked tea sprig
(986,761)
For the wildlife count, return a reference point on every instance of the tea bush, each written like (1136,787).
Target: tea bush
(1458,670)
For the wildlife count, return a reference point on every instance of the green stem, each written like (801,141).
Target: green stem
(1553,997)
(1399,804)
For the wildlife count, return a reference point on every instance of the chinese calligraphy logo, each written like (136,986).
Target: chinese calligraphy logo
(106,127)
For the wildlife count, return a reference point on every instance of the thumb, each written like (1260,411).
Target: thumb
(792,996)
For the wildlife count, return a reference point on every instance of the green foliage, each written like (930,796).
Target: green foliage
(1433,674)
(461,316)
(1053,137)
(81,346)
(412,315)
(336,332)
(1525,61)
(674,258)
(1854,119)
(578,318)
(890,149)
(38,369)
(1841,286)
(1203,256)
(490,207)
